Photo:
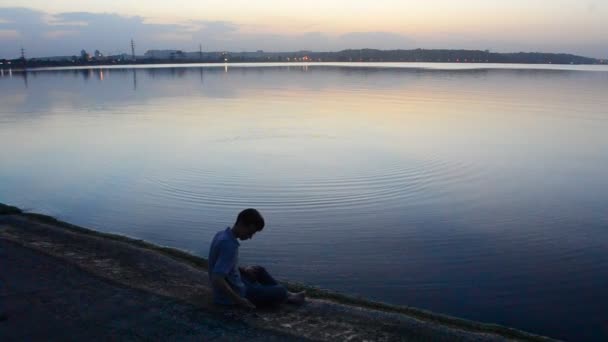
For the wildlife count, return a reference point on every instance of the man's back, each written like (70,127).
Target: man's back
(223,261)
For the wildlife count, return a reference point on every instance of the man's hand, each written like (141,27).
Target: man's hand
(251,272)
(221,283)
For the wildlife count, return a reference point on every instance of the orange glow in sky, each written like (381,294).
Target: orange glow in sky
(542,25)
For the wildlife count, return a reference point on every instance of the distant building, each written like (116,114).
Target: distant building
(179,54)
(161,54)
(98,55)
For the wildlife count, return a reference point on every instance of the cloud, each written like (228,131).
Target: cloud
(215,27)
(44,34)
(9,34)
(59,34)
(112,32)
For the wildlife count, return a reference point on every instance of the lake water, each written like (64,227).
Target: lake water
(476,192)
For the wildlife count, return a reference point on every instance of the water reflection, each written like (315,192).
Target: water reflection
(24,76)
(477,193)
(491,87)
(134,80)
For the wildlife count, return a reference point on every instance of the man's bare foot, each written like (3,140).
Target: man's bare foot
(297,298)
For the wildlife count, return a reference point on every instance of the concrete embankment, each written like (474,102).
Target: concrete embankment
(67,281)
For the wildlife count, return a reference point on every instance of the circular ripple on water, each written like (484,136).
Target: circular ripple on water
(356,188)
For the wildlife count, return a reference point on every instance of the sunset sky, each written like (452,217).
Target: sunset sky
(63,27)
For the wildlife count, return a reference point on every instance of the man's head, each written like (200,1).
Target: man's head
(249,222)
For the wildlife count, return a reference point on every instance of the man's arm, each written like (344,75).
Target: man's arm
(221,283)
(224,264)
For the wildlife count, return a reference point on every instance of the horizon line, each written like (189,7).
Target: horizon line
(22,50)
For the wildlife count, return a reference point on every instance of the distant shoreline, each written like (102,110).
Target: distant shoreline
(371,65)
(350,55)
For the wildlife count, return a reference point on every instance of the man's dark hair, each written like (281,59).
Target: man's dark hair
(251,217)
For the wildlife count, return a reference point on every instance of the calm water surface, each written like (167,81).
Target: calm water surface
(477,193)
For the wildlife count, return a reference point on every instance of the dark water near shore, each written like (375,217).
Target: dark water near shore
(477,193)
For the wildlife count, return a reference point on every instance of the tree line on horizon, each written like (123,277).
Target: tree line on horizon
(350,55)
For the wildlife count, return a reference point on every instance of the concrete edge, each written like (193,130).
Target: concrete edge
(313,292)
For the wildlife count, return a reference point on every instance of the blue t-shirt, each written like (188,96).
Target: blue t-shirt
(223,261)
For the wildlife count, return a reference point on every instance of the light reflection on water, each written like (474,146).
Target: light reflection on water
(477,193)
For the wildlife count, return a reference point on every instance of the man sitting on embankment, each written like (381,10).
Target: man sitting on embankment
(243,286)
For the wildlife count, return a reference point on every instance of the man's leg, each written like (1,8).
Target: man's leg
(263,277)
(266,295)
(275,293)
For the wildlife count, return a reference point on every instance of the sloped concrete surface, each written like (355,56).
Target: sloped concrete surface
(46,299)
(67,284)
